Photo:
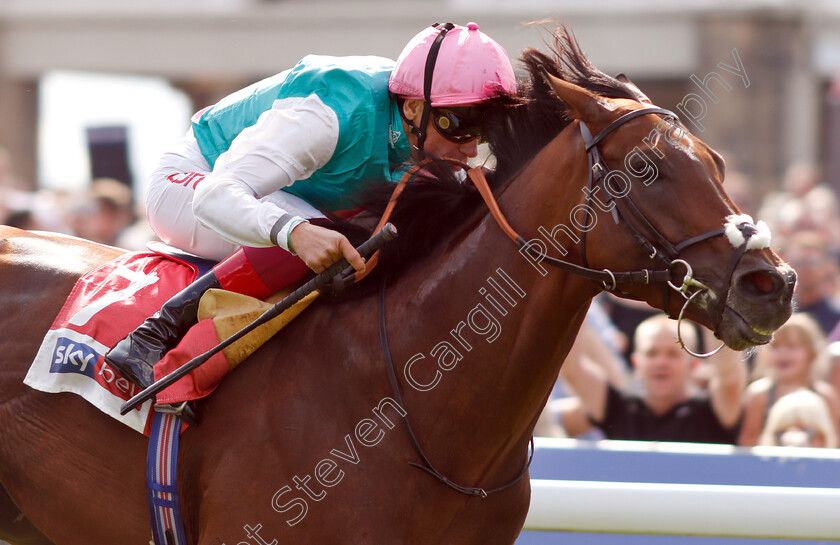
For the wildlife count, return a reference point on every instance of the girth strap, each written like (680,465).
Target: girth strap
(162,480)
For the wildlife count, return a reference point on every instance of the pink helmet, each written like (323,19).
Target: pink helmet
(466,66)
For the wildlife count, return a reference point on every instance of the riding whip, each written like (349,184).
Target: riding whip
(342,268)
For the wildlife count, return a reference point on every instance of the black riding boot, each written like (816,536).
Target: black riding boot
(135,356)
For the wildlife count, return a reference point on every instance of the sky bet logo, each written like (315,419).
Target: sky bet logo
(73,357)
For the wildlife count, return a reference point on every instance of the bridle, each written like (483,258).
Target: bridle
(625,211)
(660,249)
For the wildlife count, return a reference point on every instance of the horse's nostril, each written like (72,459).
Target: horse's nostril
(760,283)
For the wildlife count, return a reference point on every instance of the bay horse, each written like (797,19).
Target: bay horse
(306,441)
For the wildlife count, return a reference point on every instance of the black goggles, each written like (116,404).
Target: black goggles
(457,125)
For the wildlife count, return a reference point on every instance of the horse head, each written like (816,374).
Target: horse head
(655,204)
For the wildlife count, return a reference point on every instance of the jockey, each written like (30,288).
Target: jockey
(256,166)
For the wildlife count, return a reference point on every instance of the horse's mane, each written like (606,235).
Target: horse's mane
(436,208)
(518,134)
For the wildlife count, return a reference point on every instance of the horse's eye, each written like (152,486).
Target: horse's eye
(637,164)
(641,167)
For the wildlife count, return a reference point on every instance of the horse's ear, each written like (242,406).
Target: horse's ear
(580,101)
(640,96)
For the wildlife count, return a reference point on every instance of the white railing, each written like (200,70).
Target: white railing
(684,509)
(763,492)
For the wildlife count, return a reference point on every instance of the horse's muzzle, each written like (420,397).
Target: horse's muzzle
(758,303)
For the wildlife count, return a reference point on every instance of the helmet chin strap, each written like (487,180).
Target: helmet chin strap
(431,59)
(421,133)
(414,129)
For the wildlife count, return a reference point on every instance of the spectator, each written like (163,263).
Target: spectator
(565,417)
(39,210)
(800,419)
(804,204)
(22,219)
(25,209)
(833,375)
(816,286)
(136,236)
(627,314)
(564,414)
(794,360)
(668,408)
(103,213)
(613,338)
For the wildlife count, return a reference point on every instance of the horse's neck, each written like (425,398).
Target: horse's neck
(480,335)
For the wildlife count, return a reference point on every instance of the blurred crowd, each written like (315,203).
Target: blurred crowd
(627,377)
(104,212)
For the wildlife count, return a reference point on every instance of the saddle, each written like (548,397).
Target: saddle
(112,300)
(221,314)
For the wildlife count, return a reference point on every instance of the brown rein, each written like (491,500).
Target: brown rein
(608,279)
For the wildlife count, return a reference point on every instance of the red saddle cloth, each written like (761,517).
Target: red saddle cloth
(104,306)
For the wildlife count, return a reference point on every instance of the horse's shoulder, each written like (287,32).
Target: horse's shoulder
(52,251)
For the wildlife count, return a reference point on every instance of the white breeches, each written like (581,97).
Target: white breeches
(169,203)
